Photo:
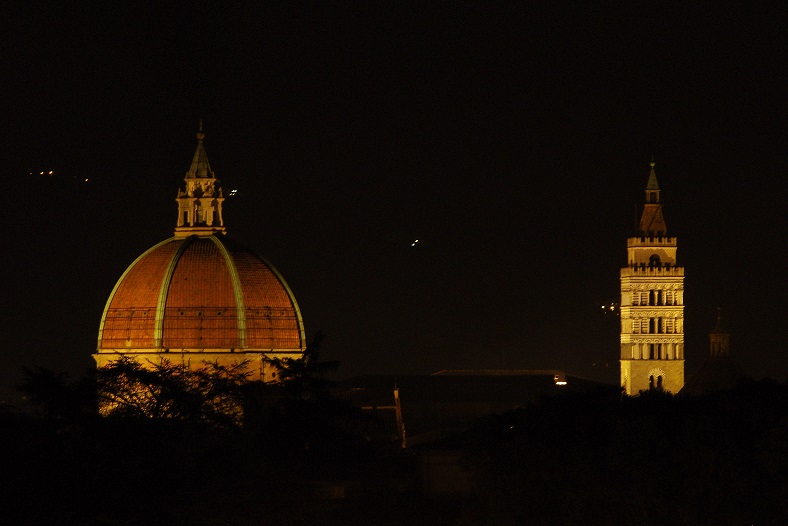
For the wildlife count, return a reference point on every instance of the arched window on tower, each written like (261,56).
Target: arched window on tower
(654,261)
(659,383)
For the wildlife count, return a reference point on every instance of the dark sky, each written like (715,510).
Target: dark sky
(512,140)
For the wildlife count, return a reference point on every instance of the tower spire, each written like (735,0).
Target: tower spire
(200,202)
(652,222)
(652,179)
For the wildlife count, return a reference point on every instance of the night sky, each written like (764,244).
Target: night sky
(513,141)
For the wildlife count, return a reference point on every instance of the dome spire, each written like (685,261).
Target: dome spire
(200,166)
(200,202)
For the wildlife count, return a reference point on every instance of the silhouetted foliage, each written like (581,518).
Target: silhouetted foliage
(576,458)
(212,393)
(299,417)
(304,378)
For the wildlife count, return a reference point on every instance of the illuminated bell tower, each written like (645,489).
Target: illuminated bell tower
(652,304)
(200,202)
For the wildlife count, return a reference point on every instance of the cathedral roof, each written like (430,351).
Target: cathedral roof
(201,292)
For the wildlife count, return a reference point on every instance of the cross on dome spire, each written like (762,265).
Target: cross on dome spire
(200,202)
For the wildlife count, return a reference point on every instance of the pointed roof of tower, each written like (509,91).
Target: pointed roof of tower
(652,178)
(200,166)
(652,222)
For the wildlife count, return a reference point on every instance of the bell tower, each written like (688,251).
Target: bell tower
(652,304)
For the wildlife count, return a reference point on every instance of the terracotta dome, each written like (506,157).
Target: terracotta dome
(199,297)
(201,293)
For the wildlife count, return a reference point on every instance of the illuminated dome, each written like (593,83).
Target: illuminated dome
(199,297)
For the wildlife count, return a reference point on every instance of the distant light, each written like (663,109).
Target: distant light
(414,243)
(51,172)
(86,179)
(560,383)
(233,192)
(42,173)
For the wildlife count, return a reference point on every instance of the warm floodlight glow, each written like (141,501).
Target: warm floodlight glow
(560,383)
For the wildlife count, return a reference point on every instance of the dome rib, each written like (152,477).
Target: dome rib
(237,290)
(299,319)
(158,333)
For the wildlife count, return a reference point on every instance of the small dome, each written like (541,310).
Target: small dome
(201,294)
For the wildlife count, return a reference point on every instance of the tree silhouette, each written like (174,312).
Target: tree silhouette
(212,393)
(304,378)
(301,418)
